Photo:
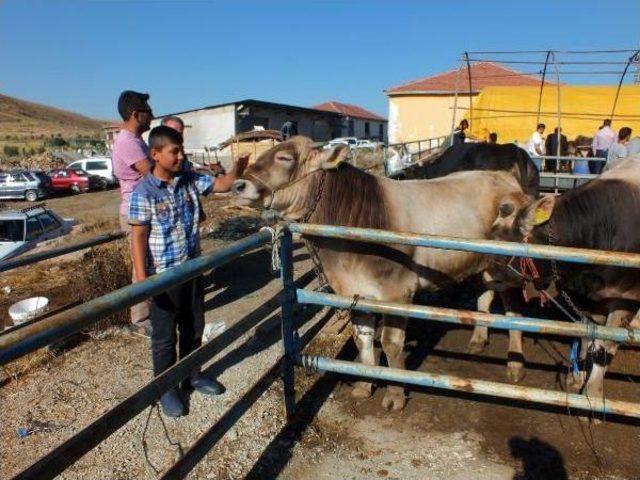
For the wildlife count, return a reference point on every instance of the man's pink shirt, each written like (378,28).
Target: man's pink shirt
(127,150)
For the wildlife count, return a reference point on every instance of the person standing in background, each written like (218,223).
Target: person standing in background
(618,150)
(602,141)
(535,147)
(131,162)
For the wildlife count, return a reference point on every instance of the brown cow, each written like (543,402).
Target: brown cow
(603,214)
(304,183)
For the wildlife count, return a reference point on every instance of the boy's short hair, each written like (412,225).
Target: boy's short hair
(171,118)
(130,101)
(163,135)
(541,125)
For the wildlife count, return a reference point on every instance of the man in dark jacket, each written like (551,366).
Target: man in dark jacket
(551,145)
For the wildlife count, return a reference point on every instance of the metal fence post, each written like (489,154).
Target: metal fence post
(289,334)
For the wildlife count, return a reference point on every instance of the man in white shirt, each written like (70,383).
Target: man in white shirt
(618,150)
(536,144)
(602,141)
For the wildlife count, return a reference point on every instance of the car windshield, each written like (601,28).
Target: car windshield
(11,230)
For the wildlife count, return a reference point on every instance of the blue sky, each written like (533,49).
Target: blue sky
(79,54)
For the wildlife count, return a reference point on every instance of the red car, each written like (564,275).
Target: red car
(74,180)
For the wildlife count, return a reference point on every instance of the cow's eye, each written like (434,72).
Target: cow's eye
(506,209)
(286,159)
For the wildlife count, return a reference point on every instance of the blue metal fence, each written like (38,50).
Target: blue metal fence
(496,389)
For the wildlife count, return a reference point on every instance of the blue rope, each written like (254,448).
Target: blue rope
(574,355)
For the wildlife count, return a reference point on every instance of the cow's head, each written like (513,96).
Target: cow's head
(280,177)
(519,214)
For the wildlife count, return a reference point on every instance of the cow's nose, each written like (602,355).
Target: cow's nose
(238,187)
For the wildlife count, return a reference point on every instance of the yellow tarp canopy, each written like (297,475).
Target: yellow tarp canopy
(511,112)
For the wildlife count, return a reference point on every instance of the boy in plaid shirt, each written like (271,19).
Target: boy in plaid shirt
(164,212)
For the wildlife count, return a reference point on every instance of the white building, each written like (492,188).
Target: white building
(208,126)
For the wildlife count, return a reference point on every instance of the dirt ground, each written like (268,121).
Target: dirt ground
(436,436)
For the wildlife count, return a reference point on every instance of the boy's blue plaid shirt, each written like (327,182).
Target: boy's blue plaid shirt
(171,210)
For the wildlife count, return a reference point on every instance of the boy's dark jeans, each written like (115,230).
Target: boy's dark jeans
(179,310)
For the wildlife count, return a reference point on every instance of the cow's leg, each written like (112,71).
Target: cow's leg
(603,353)
(393,336)
(576,380)
(364,329)
(515,356)
(480,336)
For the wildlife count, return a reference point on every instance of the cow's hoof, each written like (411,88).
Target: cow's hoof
(394,400)
(515,372)
(477,346)
(361,390)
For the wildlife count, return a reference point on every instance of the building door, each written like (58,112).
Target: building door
(350,128)
(367,131)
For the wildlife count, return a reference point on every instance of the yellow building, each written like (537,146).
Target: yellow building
(505,101)
(424,108)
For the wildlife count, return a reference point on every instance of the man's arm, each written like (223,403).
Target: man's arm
(139,239)
(142,166)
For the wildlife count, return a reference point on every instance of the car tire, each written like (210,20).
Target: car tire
(75,189)
(31,195)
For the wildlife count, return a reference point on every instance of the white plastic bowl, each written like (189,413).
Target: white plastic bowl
(27,309)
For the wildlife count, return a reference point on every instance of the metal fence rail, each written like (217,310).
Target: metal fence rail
(548,397)
(471,318)
(13,346)
(493,247)
(56,252)
(17,343)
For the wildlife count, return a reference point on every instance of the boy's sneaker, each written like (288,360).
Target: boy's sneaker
(172,404)
(206,385)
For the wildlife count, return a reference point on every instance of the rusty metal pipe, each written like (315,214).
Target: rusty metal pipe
(481,387)
(471,318)
(25,340)
(492,247)
(56,252)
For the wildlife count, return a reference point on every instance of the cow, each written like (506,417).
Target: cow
(603,214)
(303,183)
(481,156)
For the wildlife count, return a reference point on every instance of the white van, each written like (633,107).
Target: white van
(101,166)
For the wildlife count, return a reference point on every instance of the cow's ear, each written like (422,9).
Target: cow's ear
(543,209)
(335,157)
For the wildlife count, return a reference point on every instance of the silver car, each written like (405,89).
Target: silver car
(22,230)
(24,185)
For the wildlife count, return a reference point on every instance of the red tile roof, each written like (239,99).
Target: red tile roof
(348,110)
(483,74)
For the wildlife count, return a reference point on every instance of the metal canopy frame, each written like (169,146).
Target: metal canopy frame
(549,58)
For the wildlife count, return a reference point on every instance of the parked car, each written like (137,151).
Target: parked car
(101,166)
(22,230)
(75,180)
(366,143)
(27,185)
(349,141)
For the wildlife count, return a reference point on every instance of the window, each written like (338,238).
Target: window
(3,177)
(75,165)
(11,230)
(350,128)
(48,222)
(80,173)
(16,177)
(33,228)
(381,132)
(94,165)
(29,176)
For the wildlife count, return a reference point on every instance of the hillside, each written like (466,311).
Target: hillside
(23,121)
